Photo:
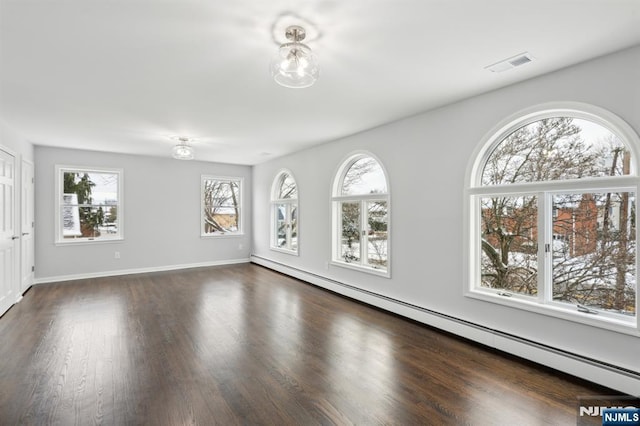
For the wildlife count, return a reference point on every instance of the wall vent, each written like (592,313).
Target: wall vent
(509,63)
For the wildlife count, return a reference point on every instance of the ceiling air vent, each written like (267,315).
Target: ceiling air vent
(507,64)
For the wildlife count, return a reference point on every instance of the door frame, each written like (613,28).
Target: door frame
(27,230)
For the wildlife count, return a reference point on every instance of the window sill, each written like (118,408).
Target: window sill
(223,235)
(367,269)
(88,241)
(281,250)
(568,313)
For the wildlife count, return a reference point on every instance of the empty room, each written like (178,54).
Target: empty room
(319,212)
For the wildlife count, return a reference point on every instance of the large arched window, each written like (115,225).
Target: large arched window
(553,216)
(361,215)
(284,213)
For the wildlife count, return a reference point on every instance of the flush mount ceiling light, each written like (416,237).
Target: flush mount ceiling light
(183,151)
(294,65)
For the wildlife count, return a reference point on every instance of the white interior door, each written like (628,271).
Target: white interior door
(9,284)
(27,226)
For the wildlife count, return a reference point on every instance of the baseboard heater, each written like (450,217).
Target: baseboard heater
(606,374)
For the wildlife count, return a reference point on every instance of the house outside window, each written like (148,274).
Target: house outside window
(221,211)
(284,213)
(361,216)
(88,204)
(553,217)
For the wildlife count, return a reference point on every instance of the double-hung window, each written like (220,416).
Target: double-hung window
(88,204)
(221,206)
(553,213)
(284,213)
(361,215)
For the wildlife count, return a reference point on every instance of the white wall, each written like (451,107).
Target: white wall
(426,157)
(161,217)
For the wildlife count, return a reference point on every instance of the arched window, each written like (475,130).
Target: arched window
(553,216)
(284,213)
(361,215)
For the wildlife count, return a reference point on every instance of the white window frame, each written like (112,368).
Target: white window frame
(59,185)
(240,231)
(289,204)
(336,224)
(543,303)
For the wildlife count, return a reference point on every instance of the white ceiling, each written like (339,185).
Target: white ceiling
(124,76)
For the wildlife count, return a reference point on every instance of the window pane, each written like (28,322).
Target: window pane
(287,187)
(555,149)
(594,250)
(350,240)
(365,176)
(221,199)
(509,245)
(281,225)
(221,193)
(221,220)
(294,227)
(377,234)
(91,187)
(89,204)
(85,222)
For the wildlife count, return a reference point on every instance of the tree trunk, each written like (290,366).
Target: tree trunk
(623,243)
(607,205)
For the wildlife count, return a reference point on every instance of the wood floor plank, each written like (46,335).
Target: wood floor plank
(241,344)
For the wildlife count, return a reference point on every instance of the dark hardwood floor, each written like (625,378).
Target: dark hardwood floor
(244,345)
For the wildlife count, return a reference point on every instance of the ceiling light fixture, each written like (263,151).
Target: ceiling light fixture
(183,151)
(294,65)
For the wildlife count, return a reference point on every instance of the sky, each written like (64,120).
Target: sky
(106,187)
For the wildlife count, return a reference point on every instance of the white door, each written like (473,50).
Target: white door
(9,284)
(26,228)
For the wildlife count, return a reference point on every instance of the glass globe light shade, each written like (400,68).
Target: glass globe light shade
(294,66)
(183,151)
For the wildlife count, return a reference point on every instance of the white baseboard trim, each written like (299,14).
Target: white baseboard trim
(614,377)
(60,278)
